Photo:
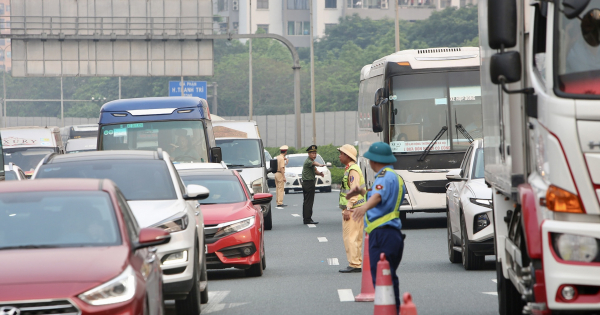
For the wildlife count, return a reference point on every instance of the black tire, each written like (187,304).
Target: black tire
(264,262)
(191,304)
(255,270)
(287,191)
(509,299)
(268,219)
(453,255)
(204,277)
(469,260)
(403,219)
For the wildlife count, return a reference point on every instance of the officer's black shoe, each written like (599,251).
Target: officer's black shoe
(350,269)
(282,205)
(311,222)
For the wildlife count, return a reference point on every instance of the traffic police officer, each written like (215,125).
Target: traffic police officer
(280,175)
(309,169)
(382,211)
(352,230)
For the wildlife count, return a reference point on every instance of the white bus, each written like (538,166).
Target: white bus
(426,104)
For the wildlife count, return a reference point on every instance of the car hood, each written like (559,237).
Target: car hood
(250,174)
(150,212)
(480,189)
(219,213)
(28,274)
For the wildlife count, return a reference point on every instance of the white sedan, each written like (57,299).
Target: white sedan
(469,204)
(293,173)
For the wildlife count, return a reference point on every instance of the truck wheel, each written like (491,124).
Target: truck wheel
(453,255)
(509,299)
(469,259)
(269,219)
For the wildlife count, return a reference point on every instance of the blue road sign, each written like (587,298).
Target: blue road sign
(191,88)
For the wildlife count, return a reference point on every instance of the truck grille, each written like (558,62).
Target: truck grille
(40,307)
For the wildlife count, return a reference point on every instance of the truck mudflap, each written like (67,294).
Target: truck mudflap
(581,279)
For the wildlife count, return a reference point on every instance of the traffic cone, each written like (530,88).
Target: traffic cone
(408,307)
(367,292)
(385,302)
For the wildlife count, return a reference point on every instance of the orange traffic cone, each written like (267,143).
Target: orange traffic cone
(367,292)
(408,307)
(385,302)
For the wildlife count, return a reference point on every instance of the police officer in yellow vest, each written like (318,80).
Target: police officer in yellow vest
(352,230)
(381,211)
(282,161)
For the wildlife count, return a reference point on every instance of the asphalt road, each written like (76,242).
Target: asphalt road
(300,280)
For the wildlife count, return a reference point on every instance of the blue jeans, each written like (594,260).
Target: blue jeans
(389,241)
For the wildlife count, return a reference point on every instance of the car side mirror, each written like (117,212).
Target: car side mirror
(152,237)
(502,23)
(216,155)
(590,27)
(572,8)
(505,67)
(196,192)
(273,166)
(455,178)
(261,198)
(328,164)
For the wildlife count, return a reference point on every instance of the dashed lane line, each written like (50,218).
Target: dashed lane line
(495,280)
(322,239)
(333,261)
(346,295)
(295,215)
(311,225)
(490,293)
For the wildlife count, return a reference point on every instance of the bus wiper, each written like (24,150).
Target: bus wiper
(464,132)
(432,143)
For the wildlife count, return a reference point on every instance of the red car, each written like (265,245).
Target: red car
(233,220)
(72,246)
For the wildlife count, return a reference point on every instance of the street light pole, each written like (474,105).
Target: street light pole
(397,26)
(4,115)
(250,96)
(312,75)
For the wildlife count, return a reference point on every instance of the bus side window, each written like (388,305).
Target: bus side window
(539,38)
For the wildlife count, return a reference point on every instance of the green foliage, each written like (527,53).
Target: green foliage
(337,174)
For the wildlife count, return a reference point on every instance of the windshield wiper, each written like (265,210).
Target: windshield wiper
(235,165)
(432,143)
(464,132)
(29,247)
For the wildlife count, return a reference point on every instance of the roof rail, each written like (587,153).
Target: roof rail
(159,151)
(224,165)
(48,157)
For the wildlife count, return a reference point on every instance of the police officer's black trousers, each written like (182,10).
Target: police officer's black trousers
(387,240)
(308,190)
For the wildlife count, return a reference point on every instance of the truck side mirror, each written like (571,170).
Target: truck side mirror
(215,155)
(502,23)
(505,67)
(590,27)
(572,8)
(377,110)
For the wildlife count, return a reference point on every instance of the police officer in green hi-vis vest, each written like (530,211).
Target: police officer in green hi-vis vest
(381,212)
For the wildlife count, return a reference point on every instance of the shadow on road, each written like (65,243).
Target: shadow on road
(419,223)
(226,274)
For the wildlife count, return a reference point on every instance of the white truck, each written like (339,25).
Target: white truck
(27,146)
(540,82)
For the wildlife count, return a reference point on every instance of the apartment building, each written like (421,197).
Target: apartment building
(5,43)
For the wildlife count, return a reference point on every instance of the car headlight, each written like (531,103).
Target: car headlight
(482,202)
(117,290)
(257,185)
(175,223)
(229,228)
(174,258)
(480,222)
(572,247)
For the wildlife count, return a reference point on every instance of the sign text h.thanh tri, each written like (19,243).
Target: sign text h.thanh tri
(191,88)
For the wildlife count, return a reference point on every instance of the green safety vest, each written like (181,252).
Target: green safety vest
(345,188)
(392,215)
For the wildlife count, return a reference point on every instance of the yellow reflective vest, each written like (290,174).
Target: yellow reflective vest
(345,188)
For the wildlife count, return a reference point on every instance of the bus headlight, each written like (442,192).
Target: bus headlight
(572,247)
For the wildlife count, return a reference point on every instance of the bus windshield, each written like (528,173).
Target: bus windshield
(185,141)
(423,104)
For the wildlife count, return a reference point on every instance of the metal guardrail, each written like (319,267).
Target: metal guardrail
(108,27)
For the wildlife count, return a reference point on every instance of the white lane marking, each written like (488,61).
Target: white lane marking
(279,207)
(295,205)
(490,293)
(495,280)
(215,298)
(335,190)
(322,239)
(311,225)
(295,215)
(333,261)
(346,295)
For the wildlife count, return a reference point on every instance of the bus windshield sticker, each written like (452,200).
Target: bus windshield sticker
(464,93)
(441,101)
(122,132)
(415,146)
(138,125)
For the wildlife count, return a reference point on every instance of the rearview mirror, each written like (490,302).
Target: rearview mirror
(377,116)
(590,27)
(261,198)
(196,192)
(505,67)
(215,155)
(378,96)
(152,237)
(502,23)
(572,8)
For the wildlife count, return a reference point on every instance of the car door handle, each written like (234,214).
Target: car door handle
(197,213)
(152,249)
(151,259)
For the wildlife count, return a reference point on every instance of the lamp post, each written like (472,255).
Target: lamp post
(397,26)
(312,75)
(4,116)
(250,96)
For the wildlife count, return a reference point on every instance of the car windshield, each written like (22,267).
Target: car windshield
(137,179)
(185,141)
(223,189)
(240,152)
(81,145)
(57,219)
(26,158)
(478,166)
(298,160)
(420,110)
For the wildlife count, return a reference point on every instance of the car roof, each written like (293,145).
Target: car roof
(211,172)
(68,184)
(201,166)
(103,155)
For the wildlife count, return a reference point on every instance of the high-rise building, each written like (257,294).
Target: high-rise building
(5,29)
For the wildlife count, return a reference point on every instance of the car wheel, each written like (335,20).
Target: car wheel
(469,259)
(453,255)
(269,219)
(264,262)
(204,277)
(287,191)
(255,270)
(328,189)
(509,299)
(403,219)
(191,304)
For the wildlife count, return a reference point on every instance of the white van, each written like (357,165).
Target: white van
(242,150)
(27,146)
